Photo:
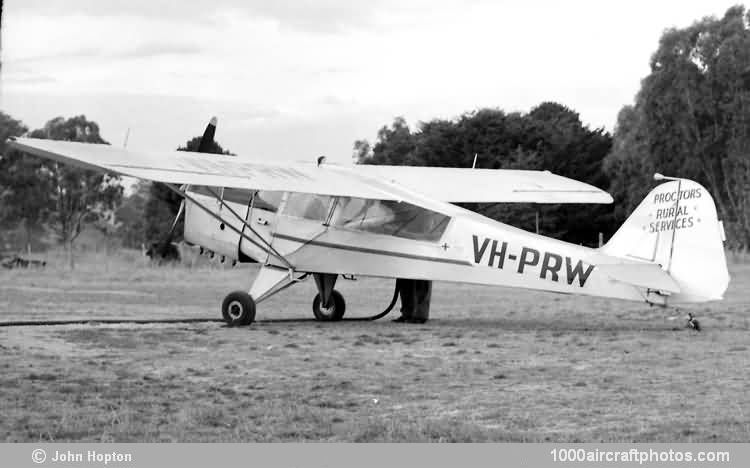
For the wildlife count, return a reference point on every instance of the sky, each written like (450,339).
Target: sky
(293,80)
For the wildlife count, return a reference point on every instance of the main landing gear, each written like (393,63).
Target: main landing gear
(335,310)
(328,305)
(238,308)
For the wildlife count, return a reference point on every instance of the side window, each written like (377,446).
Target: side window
(268,201)
(203,190)
(414,222)
(234,195)
(307,206)
(350,212)
(390,218)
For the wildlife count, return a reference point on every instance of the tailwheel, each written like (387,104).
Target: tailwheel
(238,309)
(335,310)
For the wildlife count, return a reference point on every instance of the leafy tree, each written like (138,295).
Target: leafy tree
(628,163)
(75,196)
(130,214)
(362,151)
(23,184)
(9,127)
(395,145)
(691,118)
(570,149)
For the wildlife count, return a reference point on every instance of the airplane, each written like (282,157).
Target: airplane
(298,219)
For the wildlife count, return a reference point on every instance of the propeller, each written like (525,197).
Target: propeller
(207,142)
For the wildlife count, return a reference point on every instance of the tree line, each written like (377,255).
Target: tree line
(549,137)
(53,203)
(691,118)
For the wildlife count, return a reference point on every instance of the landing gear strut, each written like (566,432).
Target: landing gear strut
(238,309)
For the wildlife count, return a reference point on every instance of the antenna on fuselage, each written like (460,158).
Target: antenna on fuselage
(127,134)
(474,165)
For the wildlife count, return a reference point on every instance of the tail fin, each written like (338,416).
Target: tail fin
(676,227)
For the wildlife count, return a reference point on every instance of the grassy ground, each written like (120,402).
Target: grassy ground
(493,365)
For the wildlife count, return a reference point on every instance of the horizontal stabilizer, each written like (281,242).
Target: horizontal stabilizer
(645,275)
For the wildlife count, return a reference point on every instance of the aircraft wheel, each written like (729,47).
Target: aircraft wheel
(333,313)
(238,309)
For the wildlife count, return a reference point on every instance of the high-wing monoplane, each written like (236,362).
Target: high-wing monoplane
(329,221)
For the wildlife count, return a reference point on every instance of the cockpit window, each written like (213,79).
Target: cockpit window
(268,201)
(307,206)
(202,190)
(233,195)
(389,217)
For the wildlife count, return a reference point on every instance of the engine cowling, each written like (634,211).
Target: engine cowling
(207,231)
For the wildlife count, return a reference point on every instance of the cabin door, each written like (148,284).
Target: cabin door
(262,216)
(303,217)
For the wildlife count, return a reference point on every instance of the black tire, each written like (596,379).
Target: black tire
(238,309)
(332,314)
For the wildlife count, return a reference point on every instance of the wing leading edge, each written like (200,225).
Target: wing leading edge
(180,167)
(488,185)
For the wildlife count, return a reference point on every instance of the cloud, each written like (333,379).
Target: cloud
(28,79)
(159,49)
(84,53)
(314,75)
(146,50)
(317,16)
(250,117)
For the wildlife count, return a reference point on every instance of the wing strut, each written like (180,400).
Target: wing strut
(268,248)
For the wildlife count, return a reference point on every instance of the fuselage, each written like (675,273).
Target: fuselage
(372,238)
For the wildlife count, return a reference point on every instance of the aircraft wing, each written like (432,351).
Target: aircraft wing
(430,187)
(181,167)
(455,185)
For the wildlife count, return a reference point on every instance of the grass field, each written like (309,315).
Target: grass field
(492,365)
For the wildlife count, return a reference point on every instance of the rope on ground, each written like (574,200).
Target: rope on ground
(93,321)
